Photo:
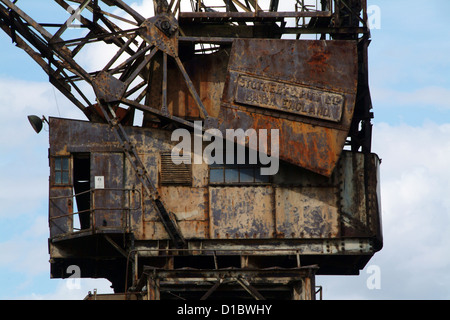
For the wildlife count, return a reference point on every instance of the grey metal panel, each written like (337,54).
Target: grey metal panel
(353,194)
(241,212)
(306,213)
(60,210)
(108,202)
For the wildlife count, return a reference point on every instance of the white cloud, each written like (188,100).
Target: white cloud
(25,257)
(24,182)
(26,252)
(434,96)
(415,199)
(23,160)
(71,289)
(415,184)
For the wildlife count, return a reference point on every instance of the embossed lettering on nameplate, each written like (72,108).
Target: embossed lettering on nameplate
(289,98)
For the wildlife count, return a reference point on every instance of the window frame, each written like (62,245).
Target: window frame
(61,169)
(239,167)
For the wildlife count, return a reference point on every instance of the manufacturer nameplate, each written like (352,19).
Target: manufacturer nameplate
(295,99)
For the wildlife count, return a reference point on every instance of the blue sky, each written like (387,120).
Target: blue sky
(409,69)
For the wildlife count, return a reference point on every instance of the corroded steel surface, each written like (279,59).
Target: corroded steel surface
(306,89)
(295,99)
(296,205)
(175,71)
(227,67)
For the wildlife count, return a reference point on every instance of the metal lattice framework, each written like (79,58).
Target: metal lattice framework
(125,80)
(150,62)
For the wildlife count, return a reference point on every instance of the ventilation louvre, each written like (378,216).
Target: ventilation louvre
(175,174)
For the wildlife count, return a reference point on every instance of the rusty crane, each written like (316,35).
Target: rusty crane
(121,209)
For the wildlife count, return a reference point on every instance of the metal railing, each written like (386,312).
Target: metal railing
(129,200)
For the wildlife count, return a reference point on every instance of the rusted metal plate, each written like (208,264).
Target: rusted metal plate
(300,204)
(299,212)
(209,85)
(194,229)
(108,200)
(194,205)
(153,230)
(289,98)
(352,193)
(372,165)
(241,212)
(60,210)
(107,88)
(163,38)
(305,89)
(307,213)
(360,196)
(191,212)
